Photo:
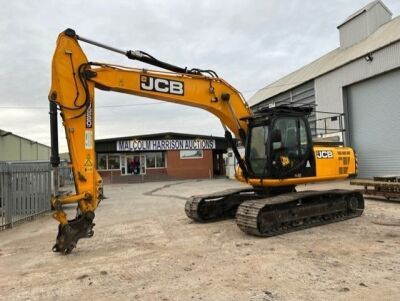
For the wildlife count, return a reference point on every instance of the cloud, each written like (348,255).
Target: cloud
(248,43)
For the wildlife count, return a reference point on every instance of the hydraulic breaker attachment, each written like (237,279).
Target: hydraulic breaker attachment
(69,234)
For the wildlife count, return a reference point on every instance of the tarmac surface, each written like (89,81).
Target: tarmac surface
(145,248)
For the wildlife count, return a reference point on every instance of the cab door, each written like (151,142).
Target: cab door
(291,148)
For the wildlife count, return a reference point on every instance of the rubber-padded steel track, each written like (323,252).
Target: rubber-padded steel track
(299,210)
(217,206)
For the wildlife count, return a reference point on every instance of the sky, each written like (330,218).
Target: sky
(249,43)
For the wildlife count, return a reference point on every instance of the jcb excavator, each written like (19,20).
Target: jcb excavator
(279,149)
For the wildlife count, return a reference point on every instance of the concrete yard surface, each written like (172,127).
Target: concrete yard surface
(145,248)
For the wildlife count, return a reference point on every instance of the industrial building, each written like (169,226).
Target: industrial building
(160,156)
(17,148)
(357,84)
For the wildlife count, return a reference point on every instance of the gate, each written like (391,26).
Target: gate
(25,191)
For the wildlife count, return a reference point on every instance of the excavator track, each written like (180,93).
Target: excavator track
(298,210)
(217,206)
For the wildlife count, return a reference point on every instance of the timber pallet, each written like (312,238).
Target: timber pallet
(386,186)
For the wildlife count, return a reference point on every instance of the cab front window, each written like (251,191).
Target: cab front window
(291,148)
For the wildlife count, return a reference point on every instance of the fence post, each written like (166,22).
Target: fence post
(9,198)
(6,214)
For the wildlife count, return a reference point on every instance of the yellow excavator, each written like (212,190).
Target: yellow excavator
(279,151)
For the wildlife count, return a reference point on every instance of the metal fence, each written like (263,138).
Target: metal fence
(66,177)
(25,191)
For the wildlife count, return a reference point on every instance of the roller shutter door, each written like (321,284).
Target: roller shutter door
(373,108)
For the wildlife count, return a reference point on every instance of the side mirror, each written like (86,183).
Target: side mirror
(276,136)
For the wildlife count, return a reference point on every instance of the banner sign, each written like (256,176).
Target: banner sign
(168,144)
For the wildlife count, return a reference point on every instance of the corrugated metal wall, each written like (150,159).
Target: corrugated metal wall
(354,31)
(378,16)
(329,88)
(363,25)
(300,95)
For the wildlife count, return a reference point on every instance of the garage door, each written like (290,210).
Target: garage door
(373,108)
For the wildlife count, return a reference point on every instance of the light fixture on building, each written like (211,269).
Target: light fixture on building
(369,57)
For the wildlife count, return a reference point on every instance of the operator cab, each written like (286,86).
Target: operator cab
(279,144)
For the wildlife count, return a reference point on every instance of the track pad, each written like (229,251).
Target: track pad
(69,234)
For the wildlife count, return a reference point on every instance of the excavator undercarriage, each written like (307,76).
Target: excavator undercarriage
(296,211)
(266,215)
(218,206)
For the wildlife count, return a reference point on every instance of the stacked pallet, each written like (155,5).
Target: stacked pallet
(386,186)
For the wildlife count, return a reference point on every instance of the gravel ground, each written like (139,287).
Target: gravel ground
(145,248)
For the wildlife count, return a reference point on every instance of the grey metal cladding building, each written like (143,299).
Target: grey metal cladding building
(17,148)
(361,79)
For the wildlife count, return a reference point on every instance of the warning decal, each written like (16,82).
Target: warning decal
(88,164)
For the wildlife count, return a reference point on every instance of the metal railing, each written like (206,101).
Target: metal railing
(25,191)
(329,124)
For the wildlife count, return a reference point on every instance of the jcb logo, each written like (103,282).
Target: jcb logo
(324,154)
(162,85)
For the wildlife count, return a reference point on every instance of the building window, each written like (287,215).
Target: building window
(155,160)
(191,154)
(160,160)
(102,161)
(150,160)
(113,162)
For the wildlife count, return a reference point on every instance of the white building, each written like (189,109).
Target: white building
(360,79)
